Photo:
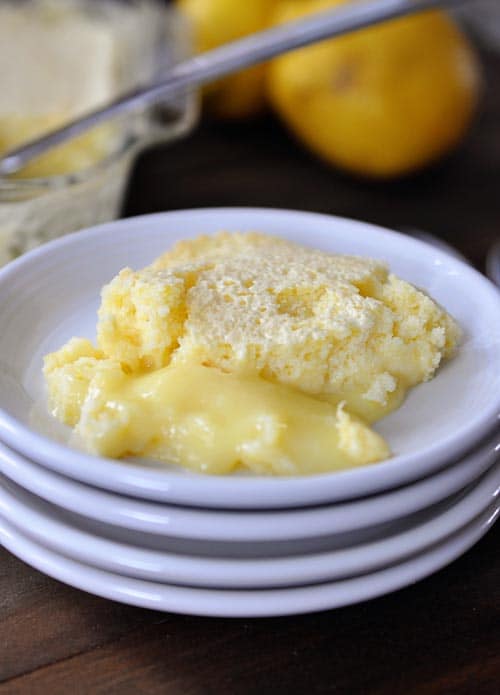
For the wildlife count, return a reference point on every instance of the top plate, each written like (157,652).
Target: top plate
(52,294)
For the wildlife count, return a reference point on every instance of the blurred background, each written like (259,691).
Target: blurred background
(262,157)
(397,125)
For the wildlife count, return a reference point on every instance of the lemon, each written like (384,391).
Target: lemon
(219,21)
(379,102)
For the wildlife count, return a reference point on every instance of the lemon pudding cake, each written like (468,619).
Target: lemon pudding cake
(246,350)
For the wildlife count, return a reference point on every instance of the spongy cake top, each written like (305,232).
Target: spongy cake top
(340,327)
(255,246)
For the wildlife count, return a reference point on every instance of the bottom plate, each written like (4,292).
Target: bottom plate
(245,603)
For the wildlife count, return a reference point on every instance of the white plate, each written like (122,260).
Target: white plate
(244,526)
(48,527)
(52,293)
(240,602)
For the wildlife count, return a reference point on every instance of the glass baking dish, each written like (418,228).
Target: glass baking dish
(36,210)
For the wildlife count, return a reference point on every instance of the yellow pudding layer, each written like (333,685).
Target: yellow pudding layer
(204,419)
(247,350)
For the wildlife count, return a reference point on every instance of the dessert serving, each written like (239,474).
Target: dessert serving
(249,351)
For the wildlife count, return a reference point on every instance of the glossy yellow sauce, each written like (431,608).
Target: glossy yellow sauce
(212,422)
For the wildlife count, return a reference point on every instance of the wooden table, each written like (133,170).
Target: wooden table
(439,636)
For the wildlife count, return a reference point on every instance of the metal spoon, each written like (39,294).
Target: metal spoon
(226,59)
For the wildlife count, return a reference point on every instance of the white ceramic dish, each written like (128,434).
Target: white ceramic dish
(240,602)
(46,525)
(245,526)
(52,293)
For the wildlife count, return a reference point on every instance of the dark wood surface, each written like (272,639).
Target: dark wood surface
(440,636)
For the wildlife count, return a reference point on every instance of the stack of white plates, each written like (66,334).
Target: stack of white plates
(160,537)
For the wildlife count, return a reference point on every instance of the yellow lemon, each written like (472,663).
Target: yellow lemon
(219,21)
(380,102)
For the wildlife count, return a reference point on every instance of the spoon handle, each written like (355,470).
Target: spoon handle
(226,59)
